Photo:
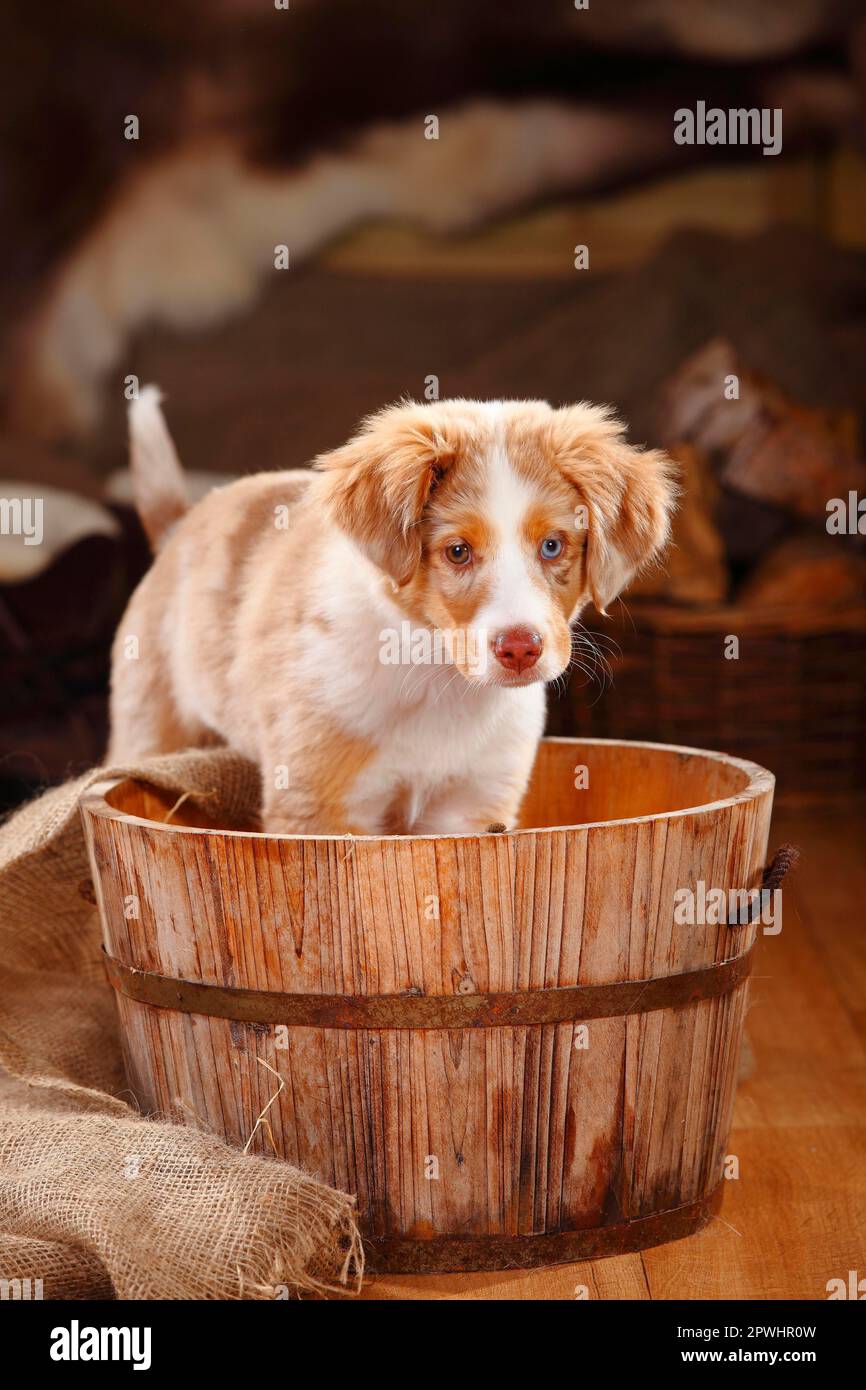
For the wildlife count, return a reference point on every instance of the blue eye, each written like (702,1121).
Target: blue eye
(550,548)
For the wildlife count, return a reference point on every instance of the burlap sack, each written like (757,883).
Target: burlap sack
(95,1200)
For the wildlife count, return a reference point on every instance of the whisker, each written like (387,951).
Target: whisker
(427,672)
(591,654)
(447,686)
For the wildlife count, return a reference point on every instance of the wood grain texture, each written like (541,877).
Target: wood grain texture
(494,1131)
(796,1216)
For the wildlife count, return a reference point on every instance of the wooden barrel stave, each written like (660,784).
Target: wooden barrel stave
(511,1132)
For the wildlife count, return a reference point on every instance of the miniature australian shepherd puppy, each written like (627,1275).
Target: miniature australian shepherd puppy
(292,615)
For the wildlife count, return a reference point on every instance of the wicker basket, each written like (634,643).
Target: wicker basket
(793,700)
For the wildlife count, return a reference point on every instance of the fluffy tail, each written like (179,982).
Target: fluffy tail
(157,477)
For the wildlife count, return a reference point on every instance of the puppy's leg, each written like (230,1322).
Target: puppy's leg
(293,813)
(146,719)
(309,768)
(490,795)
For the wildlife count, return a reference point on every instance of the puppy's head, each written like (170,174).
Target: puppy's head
(498,522)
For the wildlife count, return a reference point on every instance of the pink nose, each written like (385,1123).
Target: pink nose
(517,648)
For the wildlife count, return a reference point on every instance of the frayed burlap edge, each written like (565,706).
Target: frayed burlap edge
(96,1200)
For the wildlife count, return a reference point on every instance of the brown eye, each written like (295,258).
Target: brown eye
(459,553)
(550,548)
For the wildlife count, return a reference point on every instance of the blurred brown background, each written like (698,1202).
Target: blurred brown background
(153,258)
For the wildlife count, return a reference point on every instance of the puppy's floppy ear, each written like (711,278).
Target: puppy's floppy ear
(377,485)
(629,495)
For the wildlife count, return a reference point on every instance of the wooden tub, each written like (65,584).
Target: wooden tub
(503,1043)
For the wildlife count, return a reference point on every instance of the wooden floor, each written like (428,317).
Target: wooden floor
(796,1216)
